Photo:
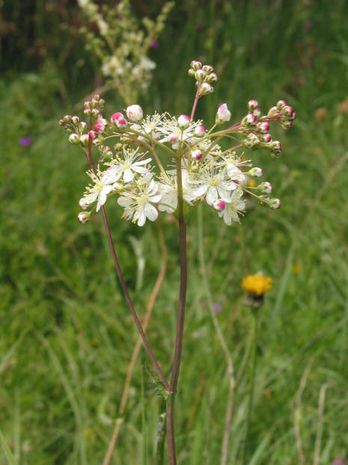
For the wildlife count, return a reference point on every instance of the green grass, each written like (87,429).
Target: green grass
(66,335)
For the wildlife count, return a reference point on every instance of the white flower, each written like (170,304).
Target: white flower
(126,168)
(138,203)
(168,188)
(214,185)
(232,207)
(98,192)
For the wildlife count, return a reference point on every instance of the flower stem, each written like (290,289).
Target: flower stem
(179,322)
(149,309)
(123,284)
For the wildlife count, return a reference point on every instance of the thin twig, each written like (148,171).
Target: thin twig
(123,284)
(179,321)
(149,310)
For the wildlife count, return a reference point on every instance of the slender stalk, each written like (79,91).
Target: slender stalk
(124,287)
(224,346)
(194,106)
(149,310)
(179,322)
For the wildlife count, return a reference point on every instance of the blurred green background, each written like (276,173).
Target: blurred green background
(66,335)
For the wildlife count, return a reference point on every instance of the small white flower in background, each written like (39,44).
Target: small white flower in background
(223,114)
(134,113)
(139,202)
(232,208)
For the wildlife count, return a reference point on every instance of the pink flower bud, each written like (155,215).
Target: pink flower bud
(220,204)
(121,122)
(183,121)
(91,135)
(100,125)
(196,154)
(252,104)
(223,114)
(257,112)
(134,113)
(200,130)
(173,138)
(250,119)
(264,127)
(116,116)
(267,138)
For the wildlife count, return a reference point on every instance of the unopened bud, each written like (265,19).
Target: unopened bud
(265,187)
(74,138)
(267,138)
(276,147)
(200,75)
(116,116)
(250,119)
(83,217)
(183,121)
(196,65)
(274,203)
(91,135)
(256,171)
(134,113)
(252,104)
(196,154)
(264,127)
(200,130)
(220,204)
(208,69)
(205,89)
(100,125)
(84,140)
(280,104)
(223,114)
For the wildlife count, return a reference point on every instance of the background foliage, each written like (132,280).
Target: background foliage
(66,336)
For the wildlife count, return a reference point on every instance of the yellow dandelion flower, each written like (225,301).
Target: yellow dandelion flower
(256,284)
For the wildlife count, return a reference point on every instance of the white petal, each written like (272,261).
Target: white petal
(128,175)
(212,195)
(124,201)
(141,219)
(151,212)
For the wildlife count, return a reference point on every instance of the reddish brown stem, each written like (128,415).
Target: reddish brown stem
(123,284)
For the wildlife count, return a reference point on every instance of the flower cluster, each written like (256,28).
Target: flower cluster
(149,162)
(122,45)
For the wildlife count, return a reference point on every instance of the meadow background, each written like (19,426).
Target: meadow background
(65,333)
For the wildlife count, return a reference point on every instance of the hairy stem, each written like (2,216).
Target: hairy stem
(179,322)
(123,284)
(149,310)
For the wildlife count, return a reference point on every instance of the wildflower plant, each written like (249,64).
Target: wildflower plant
(150,164)
(122,44)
